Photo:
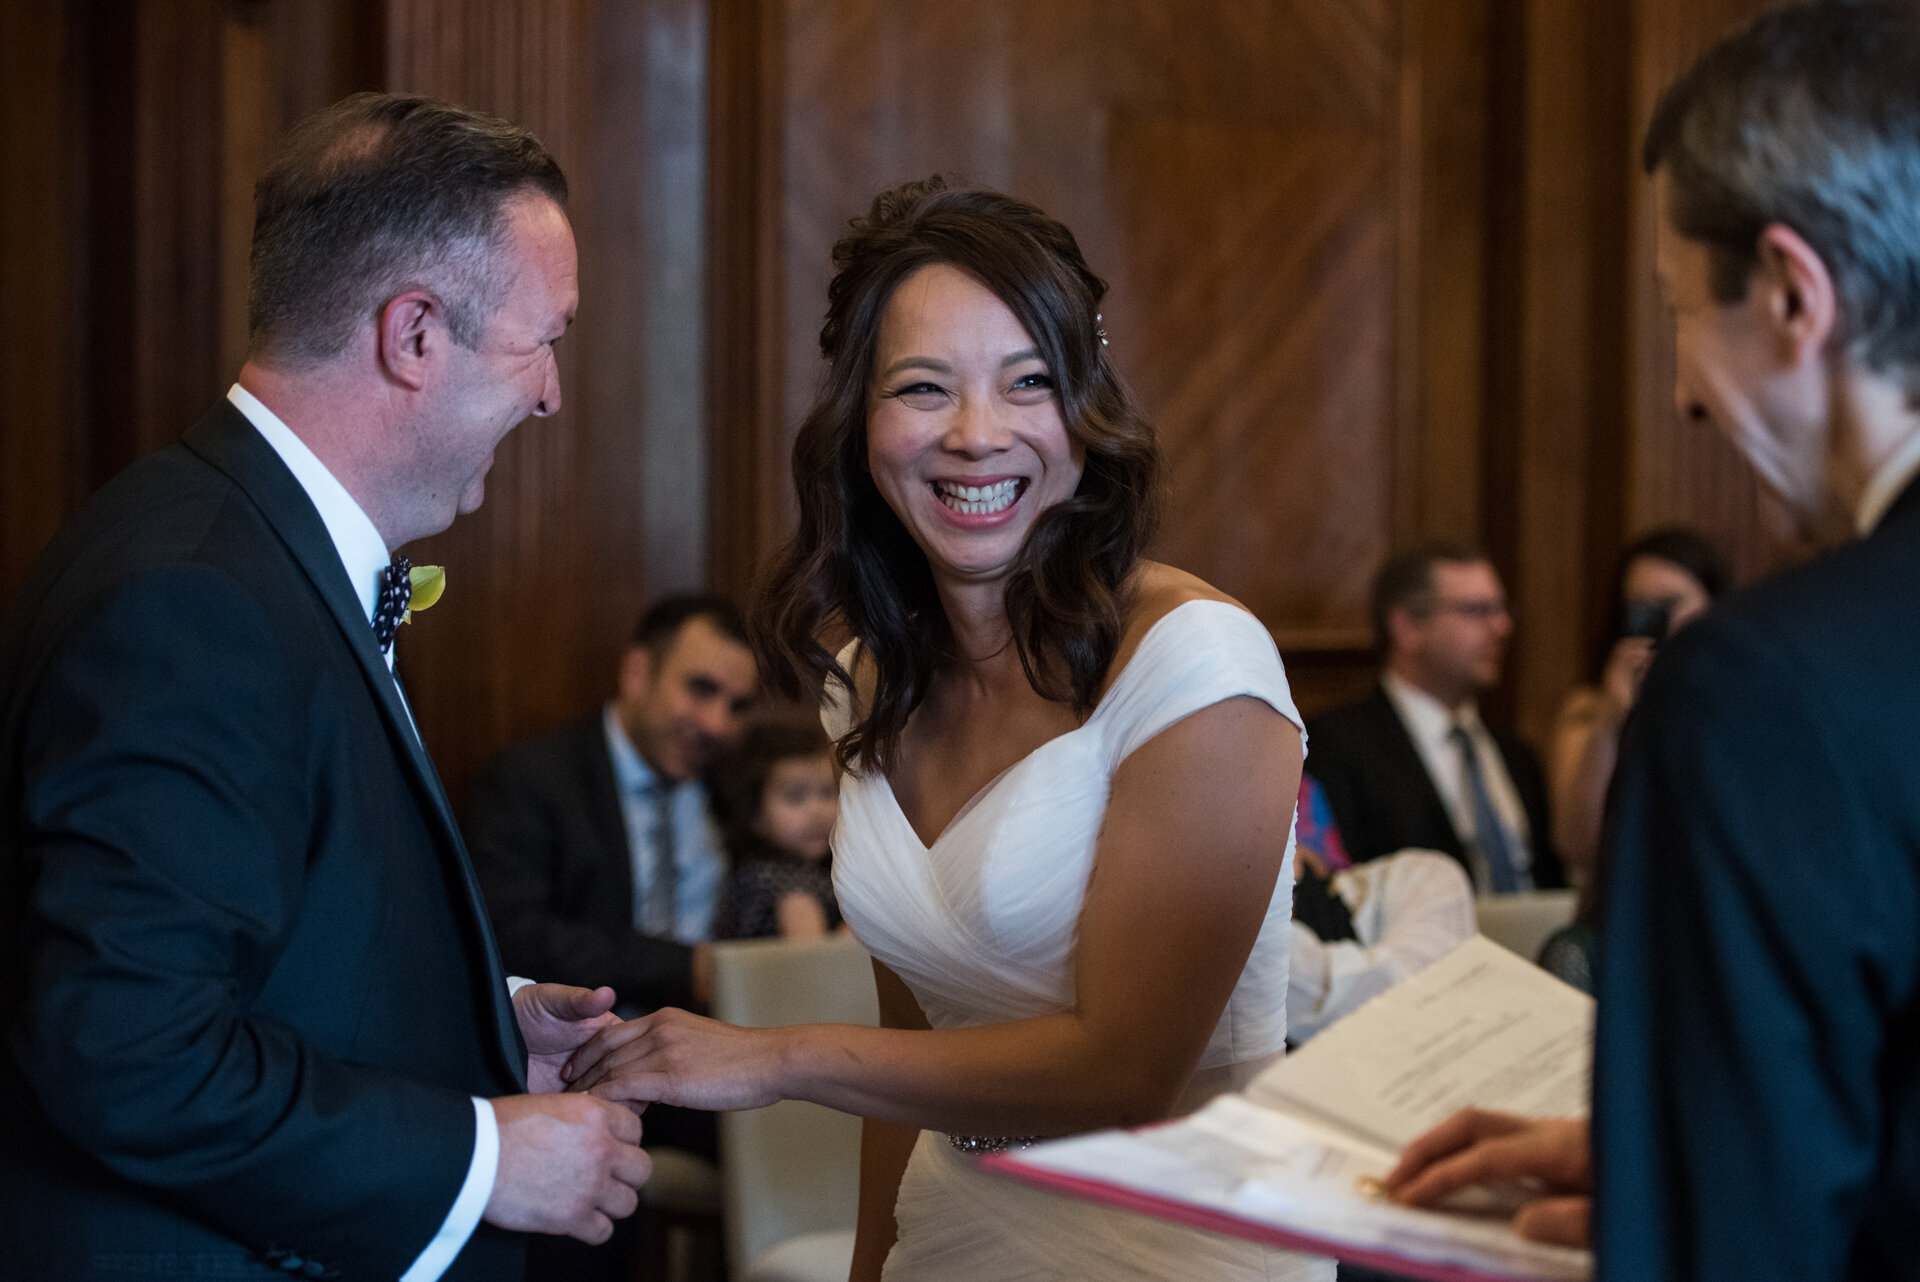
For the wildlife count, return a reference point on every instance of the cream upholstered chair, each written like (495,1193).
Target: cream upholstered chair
(790,1174)
(1521,923)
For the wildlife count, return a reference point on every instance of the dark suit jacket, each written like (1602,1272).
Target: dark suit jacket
(1757,1080)
(248,986)
(1383,799)
(550,845)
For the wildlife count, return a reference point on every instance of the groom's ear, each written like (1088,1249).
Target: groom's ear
(636,673)
(412,331)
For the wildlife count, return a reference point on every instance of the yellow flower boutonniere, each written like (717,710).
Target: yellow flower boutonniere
(429,584)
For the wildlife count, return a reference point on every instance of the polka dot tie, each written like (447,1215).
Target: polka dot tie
(396,590)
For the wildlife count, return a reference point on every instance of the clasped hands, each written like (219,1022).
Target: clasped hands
(570,1157)
(671,1056)
(569,1163)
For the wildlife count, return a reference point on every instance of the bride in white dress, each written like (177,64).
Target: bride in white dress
(1069,772)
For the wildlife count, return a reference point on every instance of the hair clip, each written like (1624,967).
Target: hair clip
(1098,330)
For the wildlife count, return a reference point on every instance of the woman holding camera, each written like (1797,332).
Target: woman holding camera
(1664,579)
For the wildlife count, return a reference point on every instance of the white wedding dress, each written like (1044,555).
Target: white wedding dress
(981,927)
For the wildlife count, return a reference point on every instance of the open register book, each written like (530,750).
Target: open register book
(1288,1161)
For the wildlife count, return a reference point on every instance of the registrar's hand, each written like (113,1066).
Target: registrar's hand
(556,1020)
(674,1057)
(569,1164)
(1475,1147)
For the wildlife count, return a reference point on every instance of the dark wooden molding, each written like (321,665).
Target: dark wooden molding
(748,504)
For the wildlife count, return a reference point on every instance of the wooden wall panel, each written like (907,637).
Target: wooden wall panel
(37,268)
(747,432)
(1286,201)
(1381,268)
(1558,426)
(591,511)
(138,126)
(526,574)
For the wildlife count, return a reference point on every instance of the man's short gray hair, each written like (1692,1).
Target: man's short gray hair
(375,195)
(1809,118)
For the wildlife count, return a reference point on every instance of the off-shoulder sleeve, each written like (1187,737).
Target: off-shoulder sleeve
(1198,654)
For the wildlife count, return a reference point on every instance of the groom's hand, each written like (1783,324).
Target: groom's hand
(556,1020)
(569,1164)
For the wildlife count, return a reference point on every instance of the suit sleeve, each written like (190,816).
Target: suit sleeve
(517,837)
(1331,761)
(1743,975)
(166,820)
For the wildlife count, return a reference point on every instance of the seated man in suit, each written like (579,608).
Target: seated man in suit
(593,842)
(597,855)
(1413,764)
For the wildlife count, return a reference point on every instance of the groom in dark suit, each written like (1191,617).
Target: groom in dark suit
(256,1024)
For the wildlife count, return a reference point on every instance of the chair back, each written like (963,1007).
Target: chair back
(793,1168)
(1521,923)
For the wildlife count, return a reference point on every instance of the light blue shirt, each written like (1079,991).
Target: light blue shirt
(697,856)
(364,554)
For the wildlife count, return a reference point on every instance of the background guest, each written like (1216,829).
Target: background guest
(598,856)
(594,843)
(1664,579)
(779,801)
(1413,764)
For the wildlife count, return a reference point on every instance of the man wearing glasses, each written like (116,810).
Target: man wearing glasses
(1413,763)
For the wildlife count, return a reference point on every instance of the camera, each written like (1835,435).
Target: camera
(1643,618)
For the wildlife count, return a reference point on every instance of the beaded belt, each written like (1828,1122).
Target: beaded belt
(976,1144)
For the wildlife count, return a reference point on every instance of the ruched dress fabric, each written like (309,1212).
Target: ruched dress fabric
(981,926)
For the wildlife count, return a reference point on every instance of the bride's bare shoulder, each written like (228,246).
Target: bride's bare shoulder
(1159,589)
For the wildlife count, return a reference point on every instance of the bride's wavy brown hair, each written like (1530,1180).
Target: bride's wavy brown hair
(853,567)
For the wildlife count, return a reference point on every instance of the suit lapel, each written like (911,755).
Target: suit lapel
(226,440)
(1409,764)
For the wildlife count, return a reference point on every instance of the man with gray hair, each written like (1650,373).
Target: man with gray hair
(256,1023)
(1757,1076)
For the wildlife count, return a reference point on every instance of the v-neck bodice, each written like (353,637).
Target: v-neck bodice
(981,924)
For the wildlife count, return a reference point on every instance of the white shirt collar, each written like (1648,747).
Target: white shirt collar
(1430,720)
(630,769)
(362,551)
(1887,484)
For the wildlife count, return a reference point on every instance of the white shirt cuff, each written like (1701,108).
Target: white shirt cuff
(464,1218)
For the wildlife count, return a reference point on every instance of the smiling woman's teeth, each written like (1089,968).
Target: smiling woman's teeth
(978,500)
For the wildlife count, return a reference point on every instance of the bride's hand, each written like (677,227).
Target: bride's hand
(674,1057)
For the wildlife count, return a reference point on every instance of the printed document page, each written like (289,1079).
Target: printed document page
(1293,1160)
(1481,1026)
(1237,1159)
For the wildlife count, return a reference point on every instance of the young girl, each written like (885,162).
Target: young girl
(781,801)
